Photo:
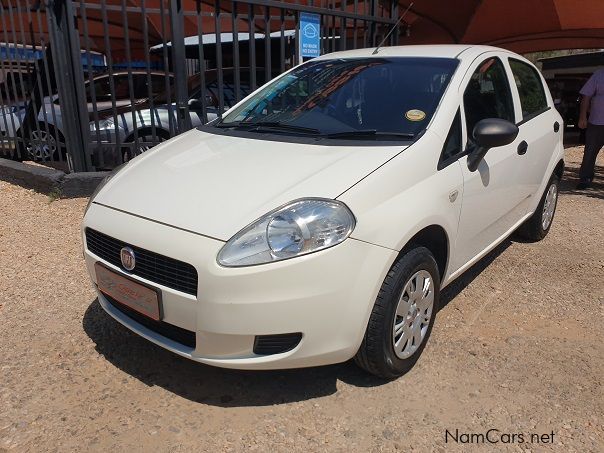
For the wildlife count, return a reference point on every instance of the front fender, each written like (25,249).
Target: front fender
(406,195)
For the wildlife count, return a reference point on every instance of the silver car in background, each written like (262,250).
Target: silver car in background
(46,139)
(134,129)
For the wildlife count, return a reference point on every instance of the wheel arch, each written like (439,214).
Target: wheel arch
(559,169)
(433,237)
(159,131)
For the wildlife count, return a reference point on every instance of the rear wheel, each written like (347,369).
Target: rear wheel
(538,225)
(402,317)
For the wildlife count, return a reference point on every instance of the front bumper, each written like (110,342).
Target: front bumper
(327,296)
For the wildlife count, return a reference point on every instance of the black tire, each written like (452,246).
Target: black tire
(128,152)
(376,354)
(532,229)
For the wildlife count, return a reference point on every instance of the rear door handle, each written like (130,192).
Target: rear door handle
(556,126)
(522,147)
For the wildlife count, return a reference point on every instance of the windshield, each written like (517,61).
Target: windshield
(350,97)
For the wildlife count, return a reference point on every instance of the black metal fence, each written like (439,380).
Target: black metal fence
(86,85)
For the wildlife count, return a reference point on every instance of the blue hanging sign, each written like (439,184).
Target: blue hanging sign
(310,35)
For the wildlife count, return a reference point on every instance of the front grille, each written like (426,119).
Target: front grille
(149,265)
(170,331)
(276,344)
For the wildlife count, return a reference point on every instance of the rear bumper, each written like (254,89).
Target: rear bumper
(326,296)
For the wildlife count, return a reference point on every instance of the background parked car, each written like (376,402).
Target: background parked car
(11,118)
(15,85)
(152,121)
(45,140)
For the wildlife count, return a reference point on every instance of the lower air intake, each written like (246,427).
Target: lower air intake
(276,344)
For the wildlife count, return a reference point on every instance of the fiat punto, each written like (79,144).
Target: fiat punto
(321,216)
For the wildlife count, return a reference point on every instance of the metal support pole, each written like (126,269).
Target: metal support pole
(179,66)
(394,37)
(373,26)
(70,83)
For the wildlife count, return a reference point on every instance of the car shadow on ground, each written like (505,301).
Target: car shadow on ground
(461,282)
(200,383)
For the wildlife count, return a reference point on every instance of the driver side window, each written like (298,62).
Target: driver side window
(488,94)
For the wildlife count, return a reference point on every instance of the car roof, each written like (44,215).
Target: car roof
(427,50)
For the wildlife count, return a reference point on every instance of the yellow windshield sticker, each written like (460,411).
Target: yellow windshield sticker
(415,115)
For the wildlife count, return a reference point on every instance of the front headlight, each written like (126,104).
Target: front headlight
(104,181)
(105,124)
(298,228)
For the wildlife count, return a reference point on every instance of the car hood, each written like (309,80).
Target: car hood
(217,184)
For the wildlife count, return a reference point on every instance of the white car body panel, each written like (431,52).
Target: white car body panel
(186,197)
(238,179)
(398,200)
(503,176)
(233,304)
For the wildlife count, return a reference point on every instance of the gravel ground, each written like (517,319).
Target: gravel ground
(518,347)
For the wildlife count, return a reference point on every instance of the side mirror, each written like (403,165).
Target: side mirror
(195,105)
(490,133)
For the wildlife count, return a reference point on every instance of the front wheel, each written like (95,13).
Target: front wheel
(538,225)
(402,317)
(42,145)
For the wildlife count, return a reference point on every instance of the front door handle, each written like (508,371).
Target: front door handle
(522,147)
(556,126)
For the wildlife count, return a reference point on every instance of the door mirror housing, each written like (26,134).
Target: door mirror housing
(195,105)
(490,133)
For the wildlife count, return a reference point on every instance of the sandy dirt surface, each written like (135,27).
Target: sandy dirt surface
(518,347)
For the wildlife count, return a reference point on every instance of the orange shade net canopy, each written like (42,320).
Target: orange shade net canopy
(133,26)
(112,26)
(518,25)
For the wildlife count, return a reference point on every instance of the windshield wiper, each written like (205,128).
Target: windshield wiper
(270,125)
(227,125)
(370,133)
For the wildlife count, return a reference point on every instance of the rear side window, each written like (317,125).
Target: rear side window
(488,94)
(122,87)
(158,82)
(102,89)
(139,82)
(530,89)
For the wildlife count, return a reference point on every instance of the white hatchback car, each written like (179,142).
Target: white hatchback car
(321,217)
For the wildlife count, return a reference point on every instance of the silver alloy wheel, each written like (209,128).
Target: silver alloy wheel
(549,207)
(413,314)
(42,145)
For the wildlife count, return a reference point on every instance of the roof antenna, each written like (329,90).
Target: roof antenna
(392,29)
